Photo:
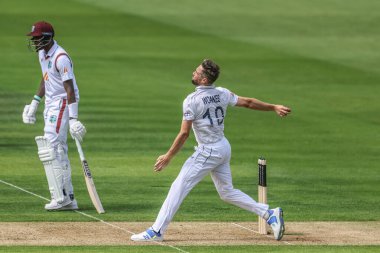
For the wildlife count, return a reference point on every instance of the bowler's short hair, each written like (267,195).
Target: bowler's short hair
(210,70)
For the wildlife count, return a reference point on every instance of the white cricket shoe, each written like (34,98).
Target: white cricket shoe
(67,204)
(276,221)
(147,236)
(72,206)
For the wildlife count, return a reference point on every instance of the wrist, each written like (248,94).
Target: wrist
(73,110)
(72,120)
(37,98)
(168,156)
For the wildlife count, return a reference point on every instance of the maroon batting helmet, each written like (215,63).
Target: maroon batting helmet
(42,28)
(42,35)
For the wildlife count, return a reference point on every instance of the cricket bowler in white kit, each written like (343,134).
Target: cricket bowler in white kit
(204,110)
(61,93)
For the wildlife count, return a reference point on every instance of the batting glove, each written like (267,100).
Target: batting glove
(29,114)
(77,129)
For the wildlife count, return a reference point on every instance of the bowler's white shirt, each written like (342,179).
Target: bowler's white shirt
(207,108)
(57,67)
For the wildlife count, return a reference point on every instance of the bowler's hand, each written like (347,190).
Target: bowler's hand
(281,110)
(161,162)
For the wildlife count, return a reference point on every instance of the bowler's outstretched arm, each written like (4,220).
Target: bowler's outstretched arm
(255,104)
(163,160)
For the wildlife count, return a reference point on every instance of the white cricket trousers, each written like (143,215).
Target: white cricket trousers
(214,158)
(56,116)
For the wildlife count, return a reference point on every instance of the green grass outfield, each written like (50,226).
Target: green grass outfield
(133,63)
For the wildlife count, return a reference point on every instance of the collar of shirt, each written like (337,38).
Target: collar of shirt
(52,50)
(202,87)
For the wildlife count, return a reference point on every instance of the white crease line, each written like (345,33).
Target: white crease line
(117,227)
(245,228)
(90,216)
(21,189)
(238,225)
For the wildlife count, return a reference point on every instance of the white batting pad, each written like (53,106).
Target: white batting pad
(54,169)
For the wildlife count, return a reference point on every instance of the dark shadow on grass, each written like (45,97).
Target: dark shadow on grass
(122,207)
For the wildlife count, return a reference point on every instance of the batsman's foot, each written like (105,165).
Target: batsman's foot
(66,205)
(147,236)
(72,206)
(276,221)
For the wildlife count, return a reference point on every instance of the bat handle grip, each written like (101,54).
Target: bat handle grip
(80,150)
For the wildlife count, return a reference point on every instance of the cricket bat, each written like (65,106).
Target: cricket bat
(89,181)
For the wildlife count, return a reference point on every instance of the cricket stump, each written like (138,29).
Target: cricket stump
(262,192)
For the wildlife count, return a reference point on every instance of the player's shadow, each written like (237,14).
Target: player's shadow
(121,207)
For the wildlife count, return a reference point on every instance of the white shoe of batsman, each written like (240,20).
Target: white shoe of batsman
(65,205)
(72,206)
(276,221)
(147,236)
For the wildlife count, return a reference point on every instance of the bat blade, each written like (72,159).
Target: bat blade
(91,188)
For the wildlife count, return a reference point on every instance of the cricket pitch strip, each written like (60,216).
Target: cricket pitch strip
(188,233)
